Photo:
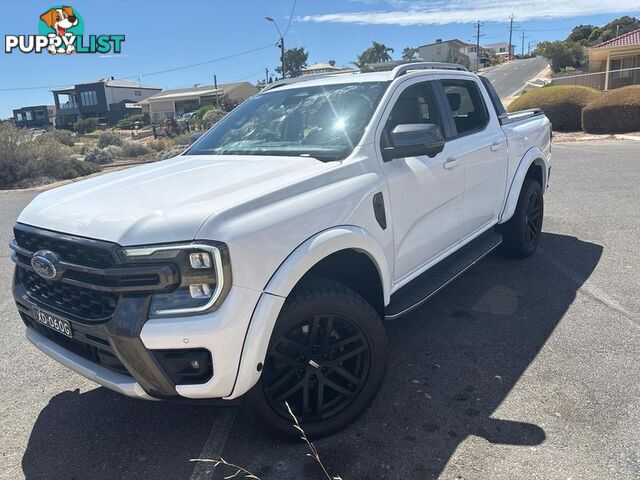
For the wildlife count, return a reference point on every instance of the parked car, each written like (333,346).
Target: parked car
(263,260)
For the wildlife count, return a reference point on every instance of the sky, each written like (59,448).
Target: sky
(234,41)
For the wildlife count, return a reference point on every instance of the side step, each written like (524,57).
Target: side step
(420,289)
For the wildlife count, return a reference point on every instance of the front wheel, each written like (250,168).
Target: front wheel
(326,359)
(521,234)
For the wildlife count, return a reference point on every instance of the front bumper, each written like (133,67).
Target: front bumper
(132,340)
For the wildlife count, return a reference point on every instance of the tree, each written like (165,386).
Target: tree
(376,53)
(295,59)
(561,53)
(590,35)
(410,54)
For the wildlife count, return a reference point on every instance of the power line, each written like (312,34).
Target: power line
(149,74)
(293,9)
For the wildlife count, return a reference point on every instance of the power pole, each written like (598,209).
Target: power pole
(215,86)
(523,42)
(478,25)
(510,35)
(284,71)
(266,77)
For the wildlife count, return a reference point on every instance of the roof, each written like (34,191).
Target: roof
(443,42)
(321,66)
(626,40)
(196,90)
(111,82)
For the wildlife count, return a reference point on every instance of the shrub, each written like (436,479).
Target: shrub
(132,150)
(98,156)
(64,137)
(108,138)
(158,145)
(128,122)
(563,104)
(87,125)
(24,161)
(203,109)
(212,117)
(616,111)
(170,153)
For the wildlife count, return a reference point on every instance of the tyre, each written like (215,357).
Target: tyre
(327,358)
(521,234)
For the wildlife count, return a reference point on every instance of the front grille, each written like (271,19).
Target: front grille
(90,253)
(91,346)
(78,301)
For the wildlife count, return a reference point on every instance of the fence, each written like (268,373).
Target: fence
(617,78)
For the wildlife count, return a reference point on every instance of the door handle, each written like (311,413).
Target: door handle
(497,145)
(451,162)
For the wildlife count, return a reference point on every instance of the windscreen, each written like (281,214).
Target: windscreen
(324,122)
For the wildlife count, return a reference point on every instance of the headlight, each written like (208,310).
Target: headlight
(205,276)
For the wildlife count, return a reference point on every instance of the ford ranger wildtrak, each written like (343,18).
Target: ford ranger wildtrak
(263,261)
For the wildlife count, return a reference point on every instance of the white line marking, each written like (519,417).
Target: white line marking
(214,445)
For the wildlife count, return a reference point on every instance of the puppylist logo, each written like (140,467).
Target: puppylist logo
(61,31)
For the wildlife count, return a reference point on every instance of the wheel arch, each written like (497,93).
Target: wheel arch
(319,255)
(532,165)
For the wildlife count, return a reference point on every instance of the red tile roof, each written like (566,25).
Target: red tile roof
(626,40)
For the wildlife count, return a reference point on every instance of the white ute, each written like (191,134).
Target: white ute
(264,259)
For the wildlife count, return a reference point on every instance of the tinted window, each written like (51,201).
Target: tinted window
(415,105)
(467,106)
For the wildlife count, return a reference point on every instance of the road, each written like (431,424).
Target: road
(510,77)
(518,370)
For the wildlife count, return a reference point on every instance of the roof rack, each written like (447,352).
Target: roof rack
(407,67)
(303,78)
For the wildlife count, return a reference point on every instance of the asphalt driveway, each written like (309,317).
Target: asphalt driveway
(519,370)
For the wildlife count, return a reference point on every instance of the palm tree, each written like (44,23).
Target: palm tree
(380,52)
(376,53)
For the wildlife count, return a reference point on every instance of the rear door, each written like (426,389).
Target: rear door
(482,147)
(426,194)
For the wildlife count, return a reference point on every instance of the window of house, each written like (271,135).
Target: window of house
(466,104)
(89,98)
(39,115)
(28,114)
(137,93)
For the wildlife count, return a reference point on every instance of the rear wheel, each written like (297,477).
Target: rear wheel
(326,359)
(521,234)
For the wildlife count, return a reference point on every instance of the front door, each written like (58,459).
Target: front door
(426,194)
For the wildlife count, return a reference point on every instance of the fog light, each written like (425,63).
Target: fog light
(200,260)
(200,290)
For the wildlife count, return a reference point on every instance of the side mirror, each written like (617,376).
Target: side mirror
(414,139)
(194,137)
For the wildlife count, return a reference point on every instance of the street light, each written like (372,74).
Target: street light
(270,19)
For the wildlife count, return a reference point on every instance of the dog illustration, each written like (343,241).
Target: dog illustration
(60,19)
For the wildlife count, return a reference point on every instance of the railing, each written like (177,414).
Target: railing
(598,79)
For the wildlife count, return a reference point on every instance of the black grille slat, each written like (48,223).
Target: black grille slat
(80,302)
(80,252)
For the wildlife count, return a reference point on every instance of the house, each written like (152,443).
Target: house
(41,116)
(450,51)
(174,102)
(105,99)
(616,61)
(501,50)
(323,68)
(477,60)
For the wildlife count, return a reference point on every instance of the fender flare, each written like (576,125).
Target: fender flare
(533,156)
(294,267)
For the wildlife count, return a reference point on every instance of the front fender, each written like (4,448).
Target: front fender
(533,156)
(295,266)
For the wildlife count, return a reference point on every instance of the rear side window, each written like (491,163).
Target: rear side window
(466,105)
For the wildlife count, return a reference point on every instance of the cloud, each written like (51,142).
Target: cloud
(404,12)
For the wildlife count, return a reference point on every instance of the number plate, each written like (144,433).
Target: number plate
(54,323)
